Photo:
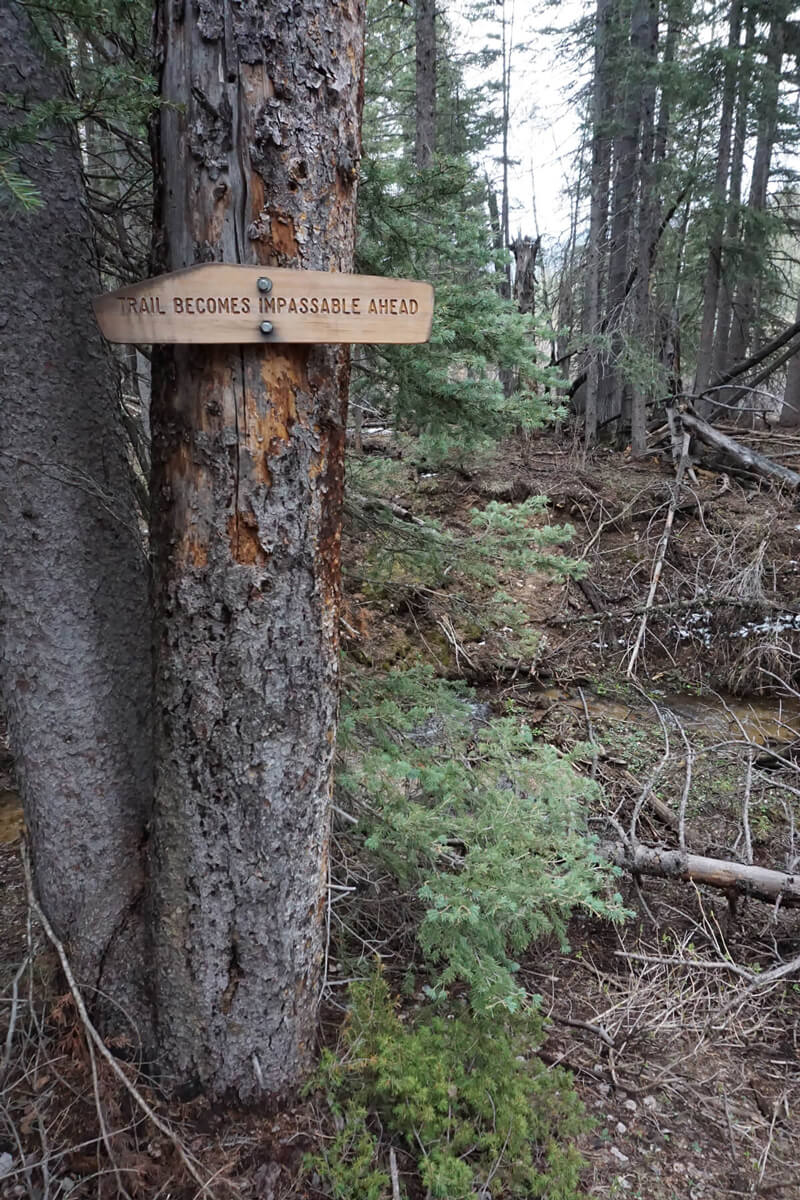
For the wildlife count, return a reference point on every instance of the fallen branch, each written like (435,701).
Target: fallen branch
(661,554)
(751,460)
(760,883)
(747,364)
(378,505)
(93,1037)
(670,606)
(758,982)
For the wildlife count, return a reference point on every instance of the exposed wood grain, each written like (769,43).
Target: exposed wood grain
(219,303)
(257,151)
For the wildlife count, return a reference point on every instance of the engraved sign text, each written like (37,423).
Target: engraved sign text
(218,302)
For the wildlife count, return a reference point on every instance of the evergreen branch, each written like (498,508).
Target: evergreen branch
(22,190)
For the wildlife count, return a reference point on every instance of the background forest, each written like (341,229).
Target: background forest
(562,941)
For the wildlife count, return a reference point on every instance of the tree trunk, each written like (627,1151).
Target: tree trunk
(790,410)
(744,300)
(705,346)
(648,228)
(425,39)
(626,157)
(74,634)
(668,88)
(505,211)
(744,456)
(257,153)
(733,219)
(598,214)
(525,251)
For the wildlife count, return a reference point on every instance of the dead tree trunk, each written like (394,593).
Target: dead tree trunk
(648,227)
(746,458)
(759,882)
(257,154)
(74,633)
(525,251)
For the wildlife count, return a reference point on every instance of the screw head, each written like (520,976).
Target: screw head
(264,284)
(266,327)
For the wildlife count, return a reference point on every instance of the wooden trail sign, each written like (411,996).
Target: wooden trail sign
(221,302)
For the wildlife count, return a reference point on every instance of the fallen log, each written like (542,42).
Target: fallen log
(751,460)
(747,364)
(758,882)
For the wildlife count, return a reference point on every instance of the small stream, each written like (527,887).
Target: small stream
(763,721)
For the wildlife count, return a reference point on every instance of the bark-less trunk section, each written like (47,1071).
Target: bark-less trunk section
(735,878)
(425,38)
(257,154)
(746,457)
(74,636)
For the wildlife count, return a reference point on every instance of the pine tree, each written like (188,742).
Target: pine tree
(434,224)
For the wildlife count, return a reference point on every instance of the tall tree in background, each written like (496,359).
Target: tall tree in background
(733,215)
(622,203)
(669,136)
(745,323)
(713,273)
(258,149)
(74,635)
(433,224)
(425,90)
(600,178)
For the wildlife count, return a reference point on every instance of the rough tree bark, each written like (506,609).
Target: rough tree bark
(257,153)
(74,631)
(425,39)
(525,251)
(626,161)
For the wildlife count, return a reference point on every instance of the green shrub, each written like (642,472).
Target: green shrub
(460,568)
(463,1096)
(485,824)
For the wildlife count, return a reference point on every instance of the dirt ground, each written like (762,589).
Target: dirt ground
(689,1067)
(691,1073)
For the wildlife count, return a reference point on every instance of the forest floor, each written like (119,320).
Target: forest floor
(692,1075)
(690,1070)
